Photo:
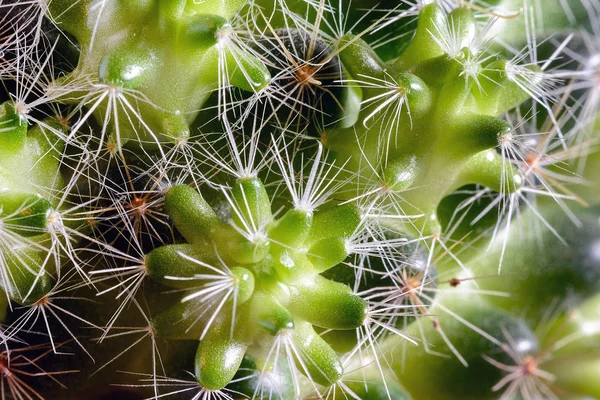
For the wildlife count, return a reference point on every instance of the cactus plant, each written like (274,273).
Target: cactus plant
(299,199)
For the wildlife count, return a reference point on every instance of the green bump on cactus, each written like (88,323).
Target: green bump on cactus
(25,214)
(167,63)
(14,129)
(323,364)
(413,148)
(29,157)
(29,181)
(274,290)
(217,360)
(29,283)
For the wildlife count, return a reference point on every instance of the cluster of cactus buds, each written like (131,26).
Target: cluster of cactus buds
(300,199)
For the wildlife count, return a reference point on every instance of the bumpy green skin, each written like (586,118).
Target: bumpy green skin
(425,128)
(175,55)
(575,361)
(540,278)
(29,156)
(278,288)
(445,134)
(29,182)
(557,17)
(416,368)
(535,272)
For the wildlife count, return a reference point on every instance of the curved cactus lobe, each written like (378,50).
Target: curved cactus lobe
(426,119)
(169,260)
(537,275)
(31,149)
(258,376)
(323,365)
(25,280)
(327,304)
(189,48)
(267,288)
(14,128)
(192,215)
(577,377)
(577,330)
(218,358)
(419,366)
(572,340)
(292,229)
(30,180)
(24,214)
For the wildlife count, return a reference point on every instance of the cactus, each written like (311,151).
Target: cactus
(299,199)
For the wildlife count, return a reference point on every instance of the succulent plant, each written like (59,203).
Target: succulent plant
(300,199)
